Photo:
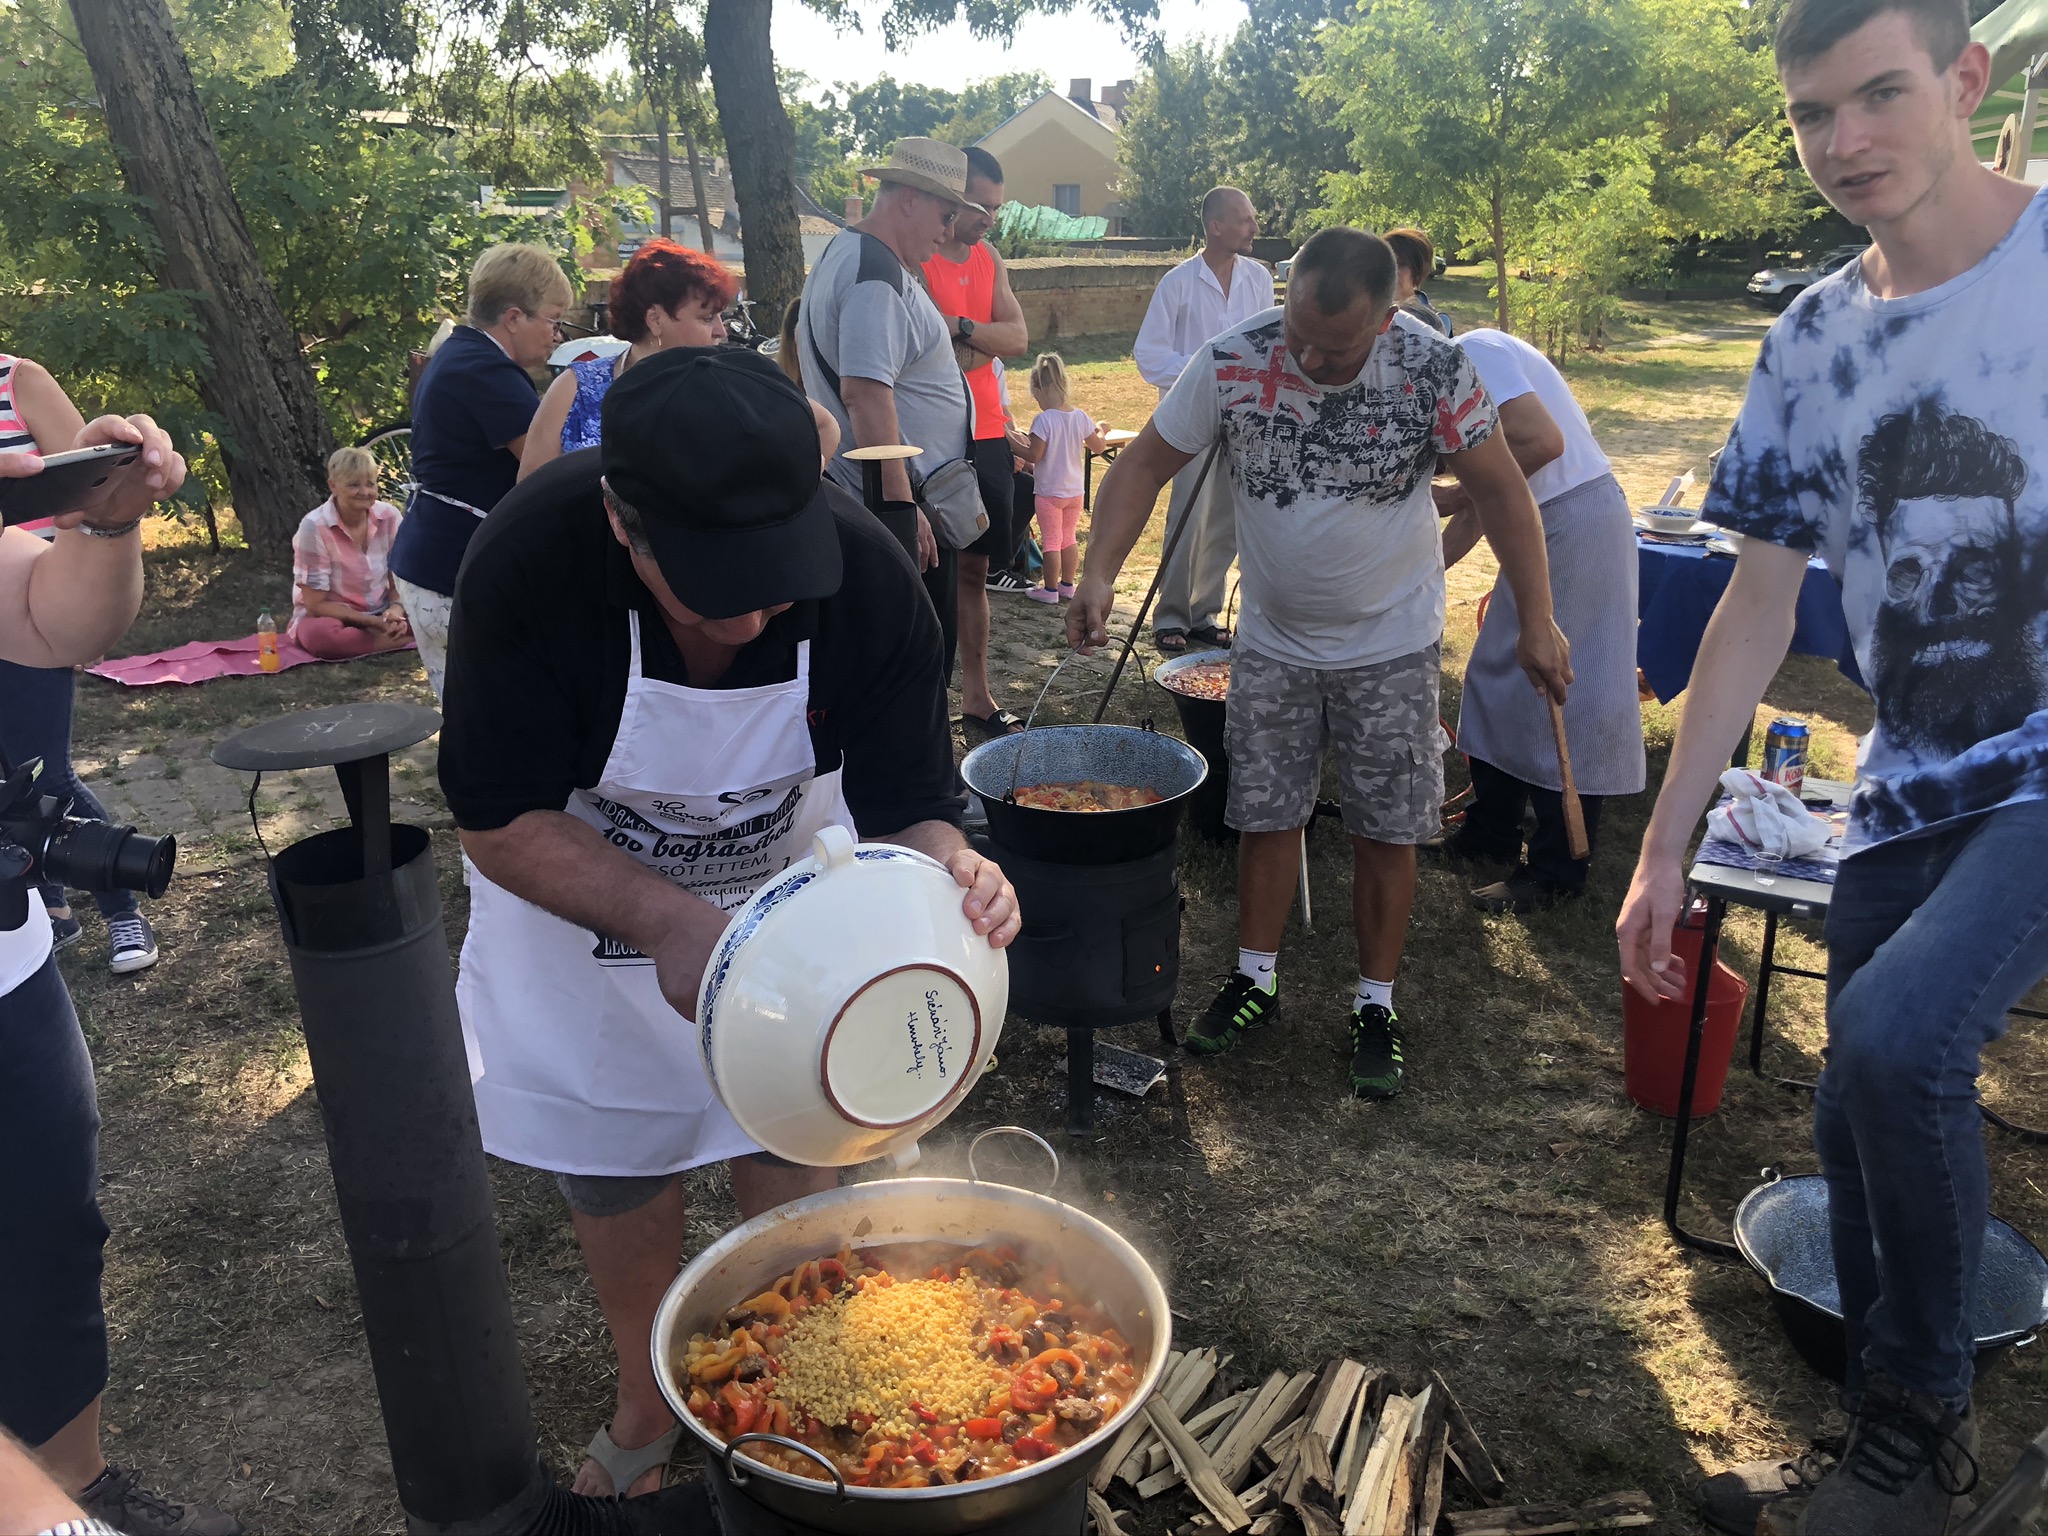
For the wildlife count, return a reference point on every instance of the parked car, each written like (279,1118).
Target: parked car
(1775,287)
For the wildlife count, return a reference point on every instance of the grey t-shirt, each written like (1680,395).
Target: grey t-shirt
(866,316)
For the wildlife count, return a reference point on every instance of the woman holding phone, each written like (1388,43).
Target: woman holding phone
(37,417)
(63,601)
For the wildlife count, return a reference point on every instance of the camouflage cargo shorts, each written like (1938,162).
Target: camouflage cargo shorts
(1382,719)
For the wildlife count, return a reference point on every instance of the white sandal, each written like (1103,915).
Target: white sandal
(626,1467)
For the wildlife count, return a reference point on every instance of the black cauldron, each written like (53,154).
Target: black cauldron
(1068,754)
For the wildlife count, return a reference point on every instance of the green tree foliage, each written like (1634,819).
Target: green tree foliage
(1169,145)
(1720,154)
(365,231)
(1466,113)
(1574,140)
(1240,117)
(825,162)
(876,115)
(516,77)
(1276,142)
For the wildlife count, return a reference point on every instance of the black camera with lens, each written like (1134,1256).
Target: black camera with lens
(40,840)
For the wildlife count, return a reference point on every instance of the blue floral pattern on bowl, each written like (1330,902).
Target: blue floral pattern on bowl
(750,920)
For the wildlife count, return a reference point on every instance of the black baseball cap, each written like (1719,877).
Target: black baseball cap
(718,452)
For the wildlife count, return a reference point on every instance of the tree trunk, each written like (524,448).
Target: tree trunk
(762,146)
(697,190)
(278,437)
(668,231)
(1498,230)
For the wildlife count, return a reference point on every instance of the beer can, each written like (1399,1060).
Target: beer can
(1785,753)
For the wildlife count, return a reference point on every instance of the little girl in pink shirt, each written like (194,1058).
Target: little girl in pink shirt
(1060,435)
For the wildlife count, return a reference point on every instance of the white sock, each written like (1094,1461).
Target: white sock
(1258,965)
(1370,991)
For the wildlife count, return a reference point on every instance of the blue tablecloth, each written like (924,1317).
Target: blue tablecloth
(1677,588)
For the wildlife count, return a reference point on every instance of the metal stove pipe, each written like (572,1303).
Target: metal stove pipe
(377,998)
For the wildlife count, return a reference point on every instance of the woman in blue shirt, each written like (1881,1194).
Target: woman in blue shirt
(470,418)
(668,296)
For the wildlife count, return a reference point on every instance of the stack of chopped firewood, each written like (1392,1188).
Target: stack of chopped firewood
(1343,1451)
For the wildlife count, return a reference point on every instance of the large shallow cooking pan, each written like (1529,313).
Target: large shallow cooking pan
(1067,754)
(1781,1229)
(970,1211)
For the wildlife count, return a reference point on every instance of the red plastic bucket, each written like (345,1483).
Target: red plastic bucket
(1653,1035)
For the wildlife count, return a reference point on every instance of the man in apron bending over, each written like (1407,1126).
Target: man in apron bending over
(675,658)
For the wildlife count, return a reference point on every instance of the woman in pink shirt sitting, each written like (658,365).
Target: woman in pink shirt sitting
(345,604)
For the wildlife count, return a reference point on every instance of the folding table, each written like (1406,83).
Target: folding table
(1776,896)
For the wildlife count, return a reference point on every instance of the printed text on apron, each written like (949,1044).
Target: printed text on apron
(581,1065)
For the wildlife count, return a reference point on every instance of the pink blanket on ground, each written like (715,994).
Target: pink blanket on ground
(200,661)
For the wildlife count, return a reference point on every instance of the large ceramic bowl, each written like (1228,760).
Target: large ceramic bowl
(850,1004)
(1672,524)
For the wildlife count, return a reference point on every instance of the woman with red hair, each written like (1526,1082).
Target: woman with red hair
(668,296)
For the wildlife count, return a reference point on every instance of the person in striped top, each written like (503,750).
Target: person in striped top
(63,601)
(35,702)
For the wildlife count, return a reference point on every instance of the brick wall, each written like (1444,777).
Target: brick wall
(1063,297)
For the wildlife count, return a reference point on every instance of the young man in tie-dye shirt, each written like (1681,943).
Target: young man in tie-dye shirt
(1896,425)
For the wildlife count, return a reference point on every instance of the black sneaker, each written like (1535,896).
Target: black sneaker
(1735,1500)
(1375,1052)
(1242,1005)
(1910,1458)
(117,1497)
(1006,581)
(64,928)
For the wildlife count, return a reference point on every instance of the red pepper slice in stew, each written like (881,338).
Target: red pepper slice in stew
(1033,1387)
(924,1413)
(1031,1448)
(983,1429)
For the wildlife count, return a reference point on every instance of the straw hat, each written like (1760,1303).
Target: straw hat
(929,166)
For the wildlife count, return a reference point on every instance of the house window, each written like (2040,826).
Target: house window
(1066,197)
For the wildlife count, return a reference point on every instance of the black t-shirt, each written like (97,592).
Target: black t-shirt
(472,401)
(539,649)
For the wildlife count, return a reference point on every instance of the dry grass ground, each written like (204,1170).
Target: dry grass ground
(1499,1222)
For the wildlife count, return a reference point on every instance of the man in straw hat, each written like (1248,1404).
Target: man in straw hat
(879,356)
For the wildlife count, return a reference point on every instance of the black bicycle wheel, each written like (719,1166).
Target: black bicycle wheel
(392,444)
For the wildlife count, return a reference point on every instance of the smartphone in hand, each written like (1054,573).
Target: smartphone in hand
(80,481)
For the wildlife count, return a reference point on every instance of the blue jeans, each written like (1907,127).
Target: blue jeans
(35,721)
(1930,941)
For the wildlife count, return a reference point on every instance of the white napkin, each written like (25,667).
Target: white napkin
(1767,817)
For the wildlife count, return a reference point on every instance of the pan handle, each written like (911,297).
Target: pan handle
(739,1480)
(1014,1130)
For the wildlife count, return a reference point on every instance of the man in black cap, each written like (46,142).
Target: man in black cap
(675,658)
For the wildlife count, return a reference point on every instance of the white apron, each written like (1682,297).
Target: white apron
(580,1064)
(1504,721)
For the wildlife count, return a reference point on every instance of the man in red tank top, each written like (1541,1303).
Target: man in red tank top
(968,283)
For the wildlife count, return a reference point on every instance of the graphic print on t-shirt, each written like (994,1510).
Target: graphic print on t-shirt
(1369,443)
(1906,442)
(1954,638)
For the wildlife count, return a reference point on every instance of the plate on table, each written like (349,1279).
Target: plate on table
(1671,532)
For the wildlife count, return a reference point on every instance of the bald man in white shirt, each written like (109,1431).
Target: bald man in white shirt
(1209,293)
